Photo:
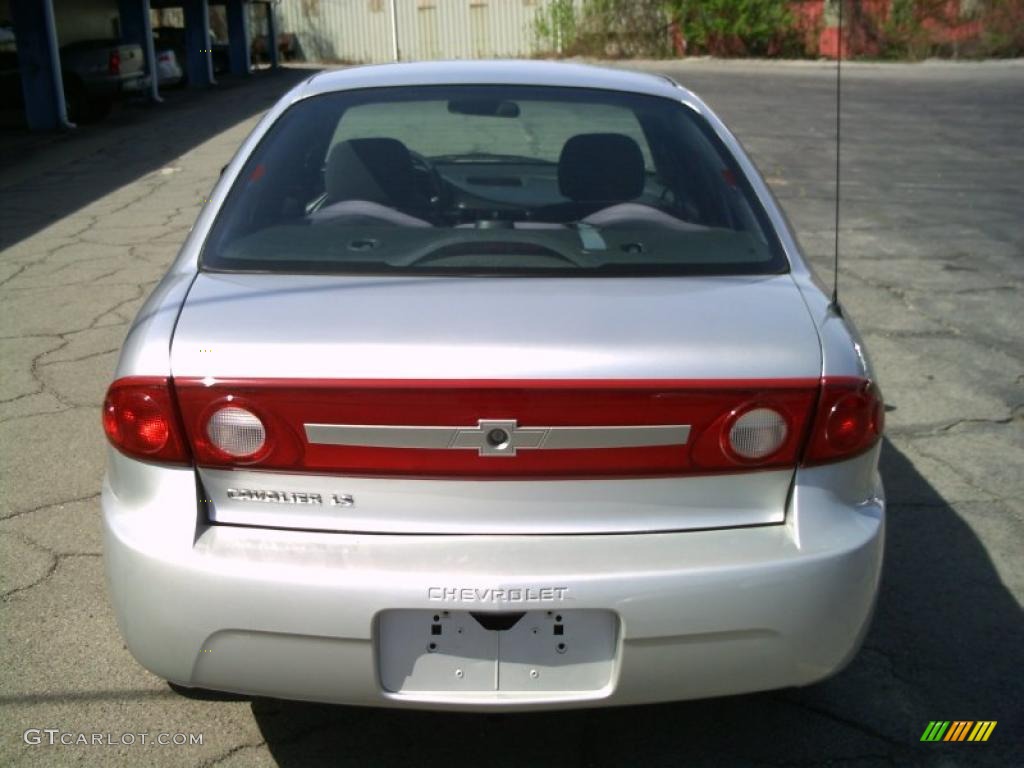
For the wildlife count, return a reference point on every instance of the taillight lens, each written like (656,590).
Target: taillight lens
(237,432)
(114,63)
(849,420)
(757,433)
(735,425)
(140,420)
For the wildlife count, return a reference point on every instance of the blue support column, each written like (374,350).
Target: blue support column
(136,28)
(238,36)
(272,35)
(40,84)
(198,57)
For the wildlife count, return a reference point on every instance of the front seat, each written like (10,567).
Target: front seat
(595,171)
(378,171)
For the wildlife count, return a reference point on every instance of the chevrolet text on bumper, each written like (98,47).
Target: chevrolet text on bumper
(449,402)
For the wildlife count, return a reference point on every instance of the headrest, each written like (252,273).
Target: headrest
(378,170)
(601,167)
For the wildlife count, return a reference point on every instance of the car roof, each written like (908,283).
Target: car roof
(499,72)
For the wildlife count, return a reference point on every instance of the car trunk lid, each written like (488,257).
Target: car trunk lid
(494,405)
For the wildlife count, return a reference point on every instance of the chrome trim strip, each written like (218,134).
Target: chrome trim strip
(497,437)
(374,436)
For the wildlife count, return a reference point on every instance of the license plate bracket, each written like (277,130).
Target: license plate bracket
(451,651)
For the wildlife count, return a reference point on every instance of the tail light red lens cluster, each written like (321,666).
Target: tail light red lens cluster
(734,425)
(283,408)
(140,419)
(114,63)
(850,419)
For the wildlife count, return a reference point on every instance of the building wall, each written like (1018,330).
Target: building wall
(85,20)
(360,30)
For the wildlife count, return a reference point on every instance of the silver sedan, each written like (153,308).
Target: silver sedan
(492,385)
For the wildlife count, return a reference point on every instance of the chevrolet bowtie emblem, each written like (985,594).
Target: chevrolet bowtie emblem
(497,437)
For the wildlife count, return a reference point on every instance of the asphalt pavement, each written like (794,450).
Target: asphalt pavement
(931,269)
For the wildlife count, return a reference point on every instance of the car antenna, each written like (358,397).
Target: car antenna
(834,305)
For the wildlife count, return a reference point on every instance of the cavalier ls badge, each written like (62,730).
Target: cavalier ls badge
(266,496)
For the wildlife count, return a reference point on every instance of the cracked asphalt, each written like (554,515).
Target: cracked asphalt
(932,269)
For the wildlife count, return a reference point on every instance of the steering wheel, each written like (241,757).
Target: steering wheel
(437,190)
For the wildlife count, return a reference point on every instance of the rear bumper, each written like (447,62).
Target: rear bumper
(135,83)
(295,614)
(111,86)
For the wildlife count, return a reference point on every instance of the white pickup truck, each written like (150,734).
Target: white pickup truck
(96,72)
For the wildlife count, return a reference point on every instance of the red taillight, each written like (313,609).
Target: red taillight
(140,419)
(849,420)
(114,62)
(735,426)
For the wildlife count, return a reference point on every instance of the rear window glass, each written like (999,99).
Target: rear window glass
(491,180)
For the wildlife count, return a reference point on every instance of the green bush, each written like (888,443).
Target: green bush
(902,34)
(1004,29)
(554,26)
(908,30)
(621,28)
(736,27)
(604,28)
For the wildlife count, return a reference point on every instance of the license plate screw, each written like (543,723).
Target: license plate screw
(534,674)
(560,647)
(459,673)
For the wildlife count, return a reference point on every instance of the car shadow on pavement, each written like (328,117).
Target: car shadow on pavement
(947,643)
(46,177)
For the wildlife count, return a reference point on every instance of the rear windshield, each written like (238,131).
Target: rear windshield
(496,180)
